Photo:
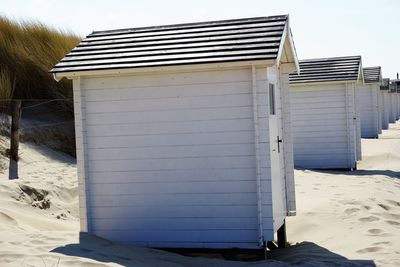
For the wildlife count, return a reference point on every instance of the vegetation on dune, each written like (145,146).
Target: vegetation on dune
(27,51)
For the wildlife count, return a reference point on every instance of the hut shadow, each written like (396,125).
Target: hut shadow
(389,173)
(311,254)
(98,249)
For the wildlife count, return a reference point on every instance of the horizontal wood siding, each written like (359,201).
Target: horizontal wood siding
(320,129)
(171,158)
(81,156)
(395,106)
(392,117)
(369,111)
(398,105)
(285,70)
(385,109)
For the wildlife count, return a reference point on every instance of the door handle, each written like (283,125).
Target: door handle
(279,141)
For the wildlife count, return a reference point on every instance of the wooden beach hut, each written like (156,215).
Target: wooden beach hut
(397,82)
(396,88)
(324,113)
(384,103)
(183,133)
(368,97)
(393,102)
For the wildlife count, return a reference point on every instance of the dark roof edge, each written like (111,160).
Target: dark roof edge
(374,67)
(277,17)
(328,58)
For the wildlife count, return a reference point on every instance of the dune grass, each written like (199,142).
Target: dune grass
(27,51)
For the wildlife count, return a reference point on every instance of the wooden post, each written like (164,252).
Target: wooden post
(14,139)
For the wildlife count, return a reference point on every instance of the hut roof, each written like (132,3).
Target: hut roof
(257,38)
(334,69)
(372,74)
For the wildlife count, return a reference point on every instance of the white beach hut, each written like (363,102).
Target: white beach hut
(183,133)
(324,113)
(393,102)
(368,97)
(396,88)
(384,103)
(397,82)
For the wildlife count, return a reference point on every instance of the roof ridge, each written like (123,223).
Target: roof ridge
(166,26)
(329,58)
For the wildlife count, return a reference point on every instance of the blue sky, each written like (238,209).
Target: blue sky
(321,28)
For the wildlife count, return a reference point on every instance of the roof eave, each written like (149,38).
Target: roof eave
(323,82)
(361,73)
(109,72)
(287,36)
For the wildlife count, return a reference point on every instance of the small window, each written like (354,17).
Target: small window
(272,99)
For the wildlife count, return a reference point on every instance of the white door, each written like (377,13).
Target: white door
(276,153)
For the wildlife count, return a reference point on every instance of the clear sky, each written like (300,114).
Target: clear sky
(321,28)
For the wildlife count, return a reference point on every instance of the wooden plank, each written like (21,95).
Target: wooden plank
(137,224)
(177,103)
(180,236)
(184,139)
(174,212)
(189,199)
(162,92)
(178,175)
(174,128)
(149,117)
(171,164)
(150,81)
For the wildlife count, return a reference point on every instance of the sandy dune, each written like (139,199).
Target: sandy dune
(344,218)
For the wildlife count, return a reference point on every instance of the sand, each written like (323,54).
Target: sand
(344,218)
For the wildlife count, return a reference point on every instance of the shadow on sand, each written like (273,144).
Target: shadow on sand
(101,250)
(389,173)
(310,254)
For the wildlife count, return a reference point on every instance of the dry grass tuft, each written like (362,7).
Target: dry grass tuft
(27,51)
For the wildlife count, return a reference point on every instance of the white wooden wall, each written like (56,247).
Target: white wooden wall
(380,109)
(81,155)
(324,129)
(357,119)
(398,105)
(369,110)
(174,165)
(392,108)
(386,109)
(285,70)
(395,106)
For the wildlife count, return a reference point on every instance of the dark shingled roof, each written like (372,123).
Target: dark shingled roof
(372,74)
(193,43)
(332,69)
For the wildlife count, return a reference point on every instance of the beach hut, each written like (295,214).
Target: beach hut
(368,97)
(396,88)
(324,113)
(384,103)
(397,82)
(183,133)
(393,102)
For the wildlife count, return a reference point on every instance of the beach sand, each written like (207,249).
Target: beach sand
(343,218)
